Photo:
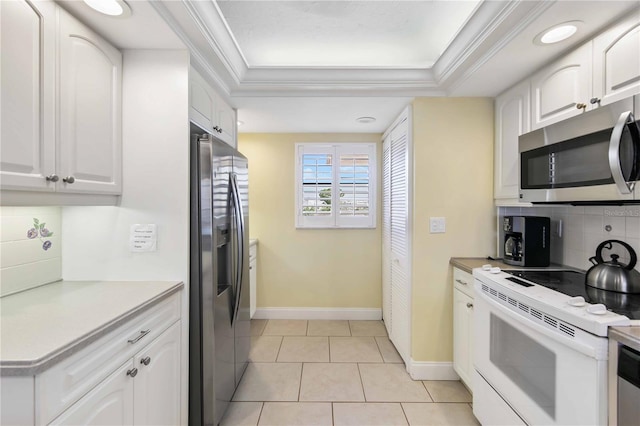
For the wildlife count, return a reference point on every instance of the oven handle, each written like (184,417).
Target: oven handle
(566,341)
(626,118)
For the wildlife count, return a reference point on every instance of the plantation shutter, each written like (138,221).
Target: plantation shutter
(336,185)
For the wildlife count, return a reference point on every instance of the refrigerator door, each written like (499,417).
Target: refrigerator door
(224,265)
(202,287)
(242,308)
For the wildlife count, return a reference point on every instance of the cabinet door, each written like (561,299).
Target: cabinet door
(512,120)
(27,56)
(462,336)
(90,137)
(226,122)
(202,101)
(157,385)
(616,61)
(561,87)
(109,403)
(386,233)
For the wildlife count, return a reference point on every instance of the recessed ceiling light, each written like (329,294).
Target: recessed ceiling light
(240,123)
(557,33)
(110,7)
(365,120)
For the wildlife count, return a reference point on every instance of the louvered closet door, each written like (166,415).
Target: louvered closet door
(386,233)
(400,256)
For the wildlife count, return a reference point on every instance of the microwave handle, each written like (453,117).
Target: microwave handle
(614,153)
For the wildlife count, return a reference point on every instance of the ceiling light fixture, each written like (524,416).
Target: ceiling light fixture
(557,33)
(240,123)
(110,7)
(365,120)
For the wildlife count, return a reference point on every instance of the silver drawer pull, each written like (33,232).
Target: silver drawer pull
(133,372)
(469,305)
(461,282)
(146,360)
(140,336)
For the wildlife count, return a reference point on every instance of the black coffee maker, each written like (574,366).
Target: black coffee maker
(527,240)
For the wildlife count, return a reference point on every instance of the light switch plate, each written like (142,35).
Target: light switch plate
(437,225)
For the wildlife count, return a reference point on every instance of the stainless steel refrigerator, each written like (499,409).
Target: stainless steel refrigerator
(219,330)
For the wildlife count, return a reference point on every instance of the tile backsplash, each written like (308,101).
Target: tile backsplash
(576,231)
(30,252)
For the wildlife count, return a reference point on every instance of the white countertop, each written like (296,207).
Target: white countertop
(253,242)
(43,325)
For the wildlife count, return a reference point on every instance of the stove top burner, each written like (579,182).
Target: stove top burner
(572,283)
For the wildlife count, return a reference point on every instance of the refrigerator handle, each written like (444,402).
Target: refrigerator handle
(240,228)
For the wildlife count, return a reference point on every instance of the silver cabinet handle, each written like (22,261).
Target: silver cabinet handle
(145,361)
(132,372)
(69,179)
(139,336)
(461,282)
(250,267)
(626,118)
(594,101)
(217,129)
(52,178)
(469,305)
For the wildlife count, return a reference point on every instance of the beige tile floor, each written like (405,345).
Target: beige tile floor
(305,373)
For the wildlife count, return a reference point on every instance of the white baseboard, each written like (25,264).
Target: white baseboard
(420,370)
(319,313)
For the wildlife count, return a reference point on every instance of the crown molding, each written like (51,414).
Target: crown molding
(207,64)
(485,35)
(216,54)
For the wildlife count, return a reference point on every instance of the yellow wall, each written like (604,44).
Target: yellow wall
(453,177)
(304,267)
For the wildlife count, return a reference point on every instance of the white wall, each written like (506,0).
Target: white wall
(583,228)
(155,186)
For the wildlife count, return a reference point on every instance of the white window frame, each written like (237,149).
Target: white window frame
(335,220)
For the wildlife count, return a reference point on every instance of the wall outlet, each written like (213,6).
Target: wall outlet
(437,225)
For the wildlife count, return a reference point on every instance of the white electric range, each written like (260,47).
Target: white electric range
(541,348)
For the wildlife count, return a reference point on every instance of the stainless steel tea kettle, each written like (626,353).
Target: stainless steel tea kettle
(613,275)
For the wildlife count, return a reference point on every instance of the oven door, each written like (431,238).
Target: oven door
(545,377)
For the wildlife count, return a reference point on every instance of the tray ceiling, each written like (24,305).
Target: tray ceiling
(399,34)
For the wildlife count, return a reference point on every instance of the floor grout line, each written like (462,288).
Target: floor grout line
(427,389)
(300,384)
(260,415)
(364,394)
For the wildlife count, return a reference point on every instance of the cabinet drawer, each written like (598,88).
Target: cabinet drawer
(463,281)
(65,383)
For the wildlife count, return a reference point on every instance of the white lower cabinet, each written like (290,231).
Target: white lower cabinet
(109,403)
(143,391)
(156,387)
(129,376)
(463,326)
(253,278)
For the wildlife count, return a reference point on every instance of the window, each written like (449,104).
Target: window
(335,185)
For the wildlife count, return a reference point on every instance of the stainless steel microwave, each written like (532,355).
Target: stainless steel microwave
(591,158)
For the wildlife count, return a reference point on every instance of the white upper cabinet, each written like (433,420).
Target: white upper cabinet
(61,103)
(210,111)
(616,61)
(90,119)
(202,101)
(562,89)
(512,120)
(27,49)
